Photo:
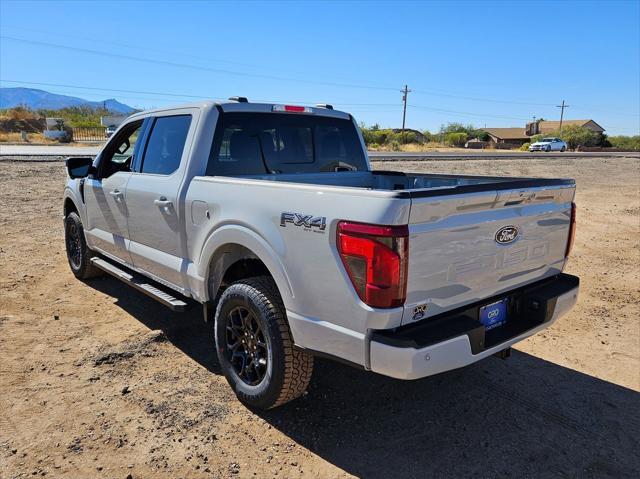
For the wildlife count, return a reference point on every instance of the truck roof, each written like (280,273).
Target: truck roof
(242,106)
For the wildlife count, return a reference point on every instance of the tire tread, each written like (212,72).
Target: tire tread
(298,365)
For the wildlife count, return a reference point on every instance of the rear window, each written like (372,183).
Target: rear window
(265,143)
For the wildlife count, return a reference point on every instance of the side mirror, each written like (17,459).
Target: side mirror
(79,167)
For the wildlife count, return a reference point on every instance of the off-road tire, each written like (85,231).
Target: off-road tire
(288,369)
(80,262)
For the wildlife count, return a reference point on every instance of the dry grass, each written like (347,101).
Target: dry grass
(415,147)
(428,147)
(31,138)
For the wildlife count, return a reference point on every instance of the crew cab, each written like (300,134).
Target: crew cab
(271,218)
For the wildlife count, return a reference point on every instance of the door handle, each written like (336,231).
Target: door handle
(162,202)
(115,192)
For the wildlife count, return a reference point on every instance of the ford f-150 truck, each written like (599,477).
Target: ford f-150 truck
(271,218)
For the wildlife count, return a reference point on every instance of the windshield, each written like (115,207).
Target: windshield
(549,140)
(259,143)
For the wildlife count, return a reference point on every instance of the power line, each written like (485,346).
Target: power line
(155,50)
(257,75)
(431,92)
(115,90)
(190,66)
(359,106)
(597,110)
(202,97)
(482,115)
(181,95)
(487,100)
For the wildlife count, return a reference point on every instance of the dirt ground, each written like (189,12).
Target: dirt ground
(97,380)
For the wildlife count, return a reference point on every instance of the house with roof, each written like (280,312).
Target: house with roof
(545,127)
(507,136)
(517,136)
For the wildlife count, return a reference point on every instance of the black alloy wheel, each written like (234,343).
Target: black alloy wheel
(246,346)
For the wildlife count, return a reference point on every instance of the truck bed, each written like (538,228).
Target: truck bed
(454,259)
(414,185)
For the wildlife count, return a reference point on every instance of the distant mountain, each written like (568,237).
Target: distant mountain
(35,99)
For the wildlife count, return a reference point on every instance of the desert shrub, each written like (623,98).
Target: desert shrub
(456,139)
(77,116)
(19,113)
(407,137)
(625,142)
(576,136)
(381,137)
(525,146)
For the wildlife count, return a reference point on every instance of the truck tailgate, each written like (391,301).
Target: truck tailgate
(465,246)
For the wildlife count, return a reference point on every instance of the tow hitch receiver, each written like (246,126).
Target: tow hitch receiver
(504,354)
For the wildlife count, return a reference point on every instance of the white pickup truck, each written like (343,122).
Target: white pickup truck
(271,217)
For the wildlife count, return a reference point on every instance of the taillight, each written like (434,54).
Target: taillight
(572,230)
(375,258)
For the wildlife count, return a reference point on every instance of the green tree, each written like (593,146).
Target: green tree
(575,136)
(625,142)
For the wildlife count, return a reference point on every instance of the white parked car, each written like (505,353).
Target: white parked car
(548,144)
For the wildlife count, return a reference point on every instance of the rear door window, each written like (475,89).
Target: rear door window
(166,144)
(259,143)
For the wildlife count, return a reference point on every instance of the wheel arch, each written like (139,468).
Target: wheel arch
(71,202)
(236,252)
(69,206)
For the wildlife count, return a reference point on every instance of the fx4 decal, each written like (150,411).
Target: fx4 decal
(308,222)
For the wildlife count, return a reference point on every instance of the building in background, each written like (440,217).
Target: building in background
(543,127)
(507,137)
(517,136)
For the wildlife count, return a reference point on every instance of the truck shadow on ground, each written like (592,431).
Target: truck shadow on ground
(524,417)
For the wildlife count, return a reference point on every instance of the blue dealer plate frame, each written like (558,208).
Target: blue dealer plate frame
(494,315)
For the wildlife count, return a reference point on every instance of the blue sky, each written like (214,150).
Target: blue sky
(487,63)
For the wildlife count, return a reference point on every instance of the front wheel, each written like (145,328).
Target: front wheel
(563,149)
(547,149)
(255,347)
(78,254)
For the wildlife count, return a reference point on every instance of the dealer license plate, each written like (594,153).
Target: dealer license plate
(494,315)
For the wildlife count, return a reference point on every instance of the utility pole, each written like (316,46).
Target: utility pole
(405,93)
(562,107)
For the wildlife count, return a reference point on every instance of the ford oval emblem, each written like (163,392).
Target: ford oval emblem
(507,234)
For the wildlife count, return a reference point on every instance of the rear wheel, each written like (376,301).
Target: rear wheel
(78,254)
(255,347)
(564,148)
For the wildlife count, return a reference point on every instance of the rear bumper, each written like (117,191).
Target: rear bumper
(458,339)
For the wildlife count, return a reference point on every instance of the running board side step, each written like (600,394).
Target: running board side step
(141,283)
